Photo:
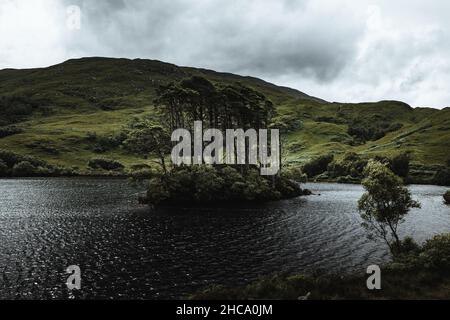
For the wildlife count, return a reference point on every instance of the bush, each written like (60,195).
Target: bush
(9,131)
(318,165)
(442,177)
(296,174)
(447,197)
(4,170)
(400,164)
(24,169)
(46,146)
(287,123)
(15,108)
(105,143)
(207,184)
(371,129)
(105,164)
(436,252)
(9,158)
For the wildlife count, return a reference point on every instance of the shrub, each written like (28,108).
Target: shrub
(318,165)
(295,173)
(105,164)
(15,108)
(103,144)
(9,158)
(207,184)
(4,170)
(447,197)
(287,123)
(436,252)
(24,169)
(442,177)
(400,164)
(46,146)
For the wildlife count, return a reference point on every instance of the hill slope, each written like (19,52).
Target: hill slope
(61,108)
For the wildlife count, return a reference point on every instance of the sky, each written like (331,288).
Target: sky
(338,50)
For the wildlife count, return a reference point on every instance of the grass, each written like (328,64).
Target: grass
(397,285)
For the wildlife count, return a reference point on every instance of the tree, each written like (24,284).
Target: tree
(147,138)
(385,204)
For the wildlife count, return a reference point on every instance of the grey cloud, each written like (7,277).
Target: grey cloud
(238,37)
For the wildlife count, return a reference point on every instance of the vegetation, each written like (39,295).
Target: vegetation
(350,168)
(384,205)
(446,195)
(219,184)
(105,164)
(423,273)
(197,99)
(318,165)
(9,131)
(72,112)
(147,138)
(15,165)
(369,129)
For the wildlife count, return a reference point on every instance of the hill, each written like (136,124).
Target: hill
(72,112)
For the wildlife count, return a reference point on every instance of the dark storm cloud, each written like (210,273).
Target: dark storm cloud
(256,37)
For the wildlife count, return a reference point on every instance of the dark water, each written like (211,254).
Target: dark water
(126,251)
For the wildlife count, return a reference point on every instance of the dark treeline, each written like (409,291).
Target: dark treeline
(225,107)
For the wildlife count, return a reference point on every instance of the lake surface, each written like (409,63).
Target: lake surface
(125,250)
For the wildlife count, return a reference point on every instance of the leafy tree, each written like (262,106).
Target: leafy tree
(148,138)
(385,204)
(198,99)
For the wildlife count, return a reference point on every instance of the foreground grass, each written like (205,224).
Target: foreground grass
(396,284)
(420,272)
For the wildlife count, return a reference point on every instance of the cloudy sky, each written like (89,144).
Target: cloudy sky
(348,51)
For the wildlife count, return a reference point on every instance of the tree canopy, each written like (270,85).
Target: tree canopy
(385,204)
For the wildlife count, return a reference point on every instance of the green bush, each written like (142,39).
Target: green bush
(207,184)
(318,165)
(371,129)
(46,146)
(24,169)
(295,173)
(9,158)
(447,197)
(105,164)
(287,123)
(106,143)
(442,177)
(436,252)
(399,164)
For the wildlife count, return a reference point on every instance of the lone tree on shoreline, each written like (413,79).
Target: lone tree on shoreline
(385,204)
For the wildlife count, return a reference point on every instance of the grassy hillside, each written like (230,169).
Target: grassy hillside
(58,110)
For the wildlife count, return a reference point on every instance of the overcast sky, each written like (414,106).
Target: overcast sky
(348,51)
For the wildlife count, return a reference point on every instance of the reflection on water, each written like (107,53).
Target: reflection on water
(126,251)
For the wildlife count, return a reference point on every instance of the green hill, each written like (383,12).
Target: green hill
(59,114)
